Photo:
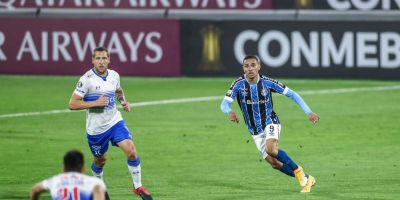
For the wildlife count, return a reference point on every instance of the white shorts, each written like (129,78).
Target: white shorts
(270,131)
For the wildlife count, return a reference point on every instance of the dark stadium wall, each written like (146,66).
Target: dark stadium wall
(368,50)
(142,4)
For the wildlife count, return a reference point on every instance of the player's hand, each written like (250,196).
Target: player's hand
(233,117)
(314,118)
(102,101)
(125,105)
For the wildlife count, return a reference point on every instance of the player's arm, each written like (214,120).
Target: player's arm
(98,193)
(76,102)
(313,117)
(37,189)
(121,98)
(227,102)
(226,108)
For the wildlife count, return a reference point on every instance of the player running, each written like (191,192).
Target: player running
(96,91)
(253,93)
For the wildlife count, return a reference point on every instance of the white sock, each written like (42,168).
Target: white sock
(98,175)
(136,174)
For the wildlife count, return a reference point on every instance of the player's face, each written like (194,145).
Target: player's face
(100,61)
(251,68)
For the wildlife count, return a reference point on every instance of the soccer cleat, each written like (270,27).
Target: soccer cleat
(107,197)
(142,192)
(310,182)
(300,176)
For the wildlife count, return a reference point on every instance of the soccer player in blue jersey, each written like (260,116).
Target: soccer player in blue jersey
(96,92)
(254,96)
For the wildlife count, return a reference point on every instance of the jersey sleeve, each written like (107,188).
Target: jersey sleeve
(276,86)
(229,96)
(82,87)
(299,101)
(47,183)
(232,92)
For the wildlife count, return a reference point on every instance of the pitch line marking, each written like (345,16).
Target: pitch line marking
(210,98)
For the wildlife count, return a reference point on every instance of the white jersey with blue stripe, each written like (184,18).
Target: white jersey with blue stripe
(90,87)
(72,185)
(255,101)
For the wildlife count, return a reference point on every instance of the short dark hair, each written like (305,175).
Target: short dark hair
(73,161)
(100,49)
(251,57)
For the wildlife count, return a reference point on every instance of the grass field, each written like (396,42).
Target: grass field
(192,151)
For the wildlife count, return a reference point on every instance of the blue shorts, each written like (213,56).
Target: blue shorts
(98,144)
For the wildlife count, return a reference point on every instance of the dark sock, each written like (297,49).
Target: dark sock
(96,169)
(287,170)
(285,159)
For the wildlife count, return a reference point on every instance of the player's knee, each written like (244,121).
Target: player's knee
(100,161)
(275,166)
(131,154)
(273,162)
(272,152)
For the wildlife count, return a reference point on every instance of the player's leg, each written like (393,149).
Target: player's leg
(273,151)
(288,165)
(134,168)
(272,132)
(123,139)
(133,160)
(98,145)
(97,166)
(279,166)
(260,141)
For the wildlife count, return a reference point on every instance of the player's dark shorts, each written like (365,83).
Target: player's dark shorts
(99,143)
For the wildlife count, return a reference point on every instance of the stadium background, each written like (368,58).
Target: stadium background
(189,52)
(304,38)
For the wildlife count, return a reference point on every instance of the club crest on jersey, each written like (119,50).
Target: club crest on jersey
(264,92)
(79,84)
(229,93)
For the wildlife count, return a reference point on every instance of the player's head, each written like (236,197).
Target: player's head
(101,59)
(251,66)
(73,161)
(100,49)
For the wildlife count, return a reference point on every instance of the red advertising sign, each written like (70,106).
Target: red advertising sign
(55,46)
(138,4)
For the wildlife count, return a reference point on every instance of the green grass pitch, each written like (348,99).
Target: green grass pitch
(192,151)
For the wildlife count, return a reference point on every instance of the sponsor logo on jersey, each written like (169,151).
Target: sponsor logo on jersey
(250,102)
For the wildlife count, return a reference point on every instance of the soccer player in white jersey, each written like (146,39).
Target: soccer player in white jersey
(72,183)
(97,91)
(254,96)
